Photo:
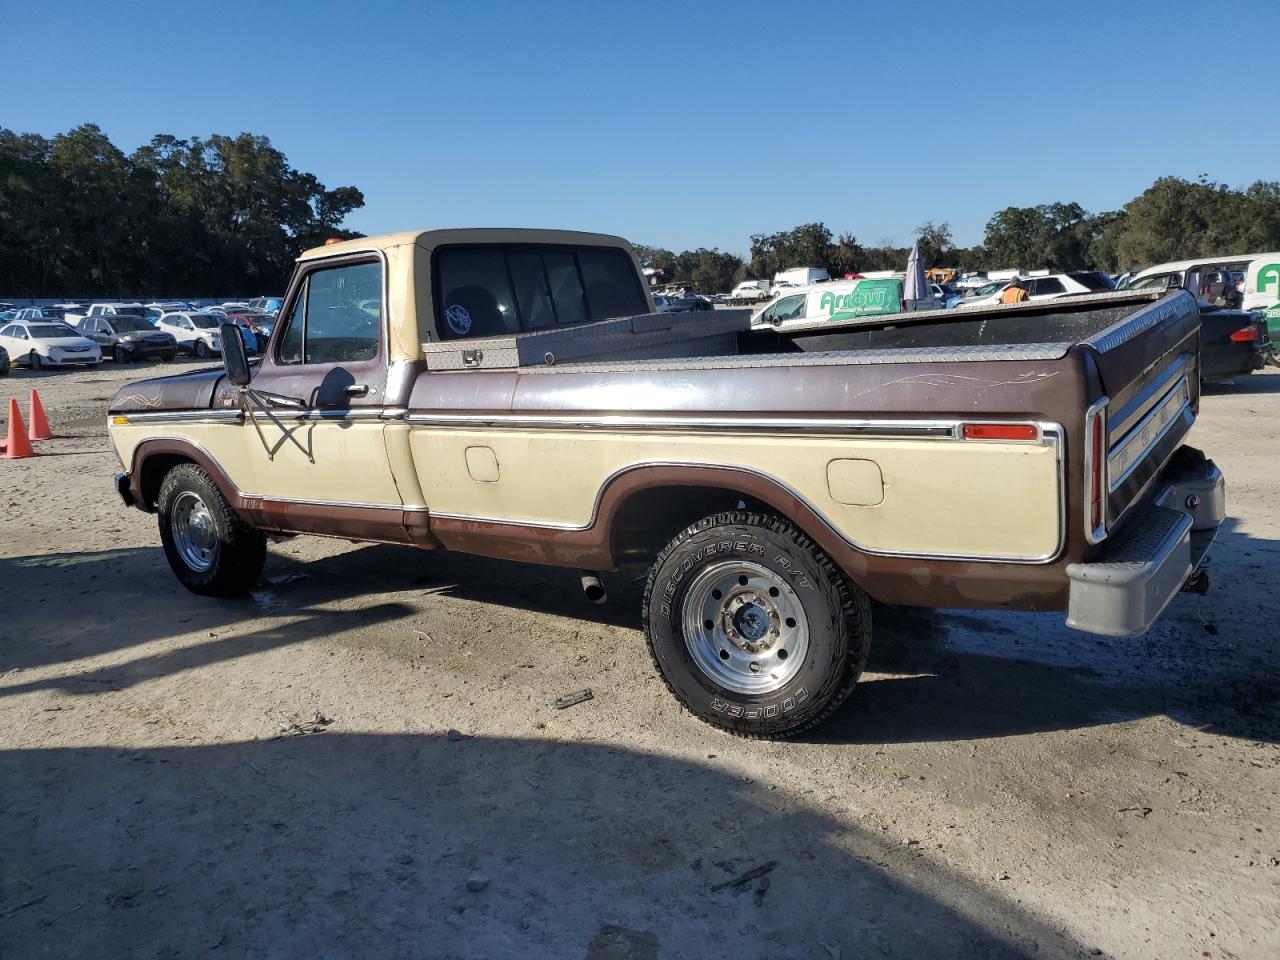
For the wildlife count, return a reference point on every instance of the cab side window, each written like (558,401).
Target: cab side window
(336,317)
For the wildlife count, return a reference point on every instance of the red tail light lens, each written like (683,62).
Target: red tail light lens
(1095,481)
(1000,431)
(1095,471)
(1245,335)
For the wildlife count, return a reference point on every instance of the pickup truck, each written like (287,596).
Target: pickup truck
(772,483)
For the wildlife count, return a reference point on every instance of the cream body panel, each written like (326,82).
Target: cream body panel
(223,442)
(941,497)
(351,462)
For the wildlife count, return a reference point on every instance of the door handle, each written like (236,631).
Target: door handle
(356,390)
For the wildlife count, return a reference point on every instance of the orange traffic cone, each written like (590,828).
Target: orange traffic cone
(39,428)
(18,445)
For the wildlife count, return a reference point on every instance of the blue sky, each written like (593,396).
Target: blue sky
(679,125)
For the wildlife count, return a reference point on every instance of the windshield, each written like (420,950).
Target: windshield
(50,331)
(1158,282)
(126,323)
(204,321)
(987,289)
(1093,281)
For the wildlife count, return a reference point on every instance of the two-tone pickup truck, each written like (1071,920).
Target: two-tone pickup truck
(513,393)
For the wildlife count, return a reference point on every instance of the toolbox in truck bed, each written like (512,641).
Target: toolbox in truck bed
(648,336)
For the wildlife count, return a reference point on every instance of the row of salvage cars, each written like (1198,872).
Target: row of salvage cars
(46,338)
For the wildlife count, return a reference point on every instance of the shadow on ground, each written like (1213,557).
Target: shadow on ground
(1266,380)
(946,675)
(358,845)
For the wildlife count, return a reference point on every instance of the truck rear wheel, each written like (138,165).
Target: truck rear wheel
(753,628)
(210,548)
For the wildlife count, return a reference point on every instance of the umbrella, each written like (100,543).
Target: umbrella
(915,287)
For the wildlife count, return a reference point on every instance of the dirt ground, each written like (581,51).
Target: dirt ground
(997,787)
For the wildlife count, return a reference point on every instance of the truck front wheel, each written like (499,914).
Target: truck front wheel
(210,548)
(753,628)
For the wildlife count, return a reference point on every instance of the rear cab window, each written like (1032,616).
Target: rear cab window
(485,290)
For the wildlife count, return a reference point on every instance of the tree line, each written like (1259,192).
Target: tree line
(196,216)
(177,217)
(1173,219)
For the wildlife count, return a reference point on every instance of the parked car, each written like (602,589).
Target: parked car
(687,304)
(800,276)
(256,327)
(1053,286)
(988,293)
(768,500)
(1262,295)
(74,317)
(57,314)
(161,307)
(127,337)
(1212,279)
(195,333)
(269,305)
(45,343)
(832,301)
(750,290)
(253,318)
(1233,343)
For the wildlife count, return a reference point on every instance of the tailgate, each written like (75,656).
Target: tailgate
(1148,365)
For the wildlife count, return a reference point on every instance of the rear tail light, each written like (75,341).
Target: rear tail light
(1245,335)
(1095,471)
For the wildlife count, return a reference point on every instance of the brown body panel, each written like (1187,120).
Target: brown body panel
(908,581)
(899,580)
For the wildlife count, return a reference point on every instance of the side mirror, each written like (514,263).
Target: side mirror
(233,356)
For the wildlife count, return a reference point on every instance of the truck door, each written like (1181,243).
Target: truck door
(316,435)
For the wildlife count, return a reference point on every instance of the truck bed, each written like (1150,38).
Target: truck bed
(1043,331)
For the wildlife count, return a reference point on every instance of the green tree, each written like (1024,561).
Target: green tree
(808,245)
(195,217)
(935,244)
(1053,235)
(708,271)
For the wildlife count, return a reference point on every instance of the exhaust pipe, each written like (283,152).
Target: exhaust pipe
(593,588)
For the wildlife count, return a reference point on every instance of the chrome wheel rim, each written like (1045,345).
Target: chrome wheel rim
(193,531)
(744,627)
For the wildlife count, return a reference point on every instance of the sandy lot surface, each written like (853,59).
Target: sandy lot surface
(997,787)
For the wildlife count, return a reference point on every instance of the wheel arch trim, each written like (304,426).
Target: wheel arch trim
(180,447)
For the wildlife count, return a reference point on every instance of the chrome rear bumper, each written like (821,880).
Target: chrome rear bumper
(1144,565)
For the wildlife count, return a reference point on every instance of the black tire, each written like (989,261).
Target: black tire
(4,363)
(237,551)
(33,358)
(837,614)
(122,354)
(168,357)
(202,350)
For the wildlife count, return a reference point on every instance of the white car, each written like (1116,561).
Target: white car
(1052,287)
(750,290)
(195,332)
(46,343)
